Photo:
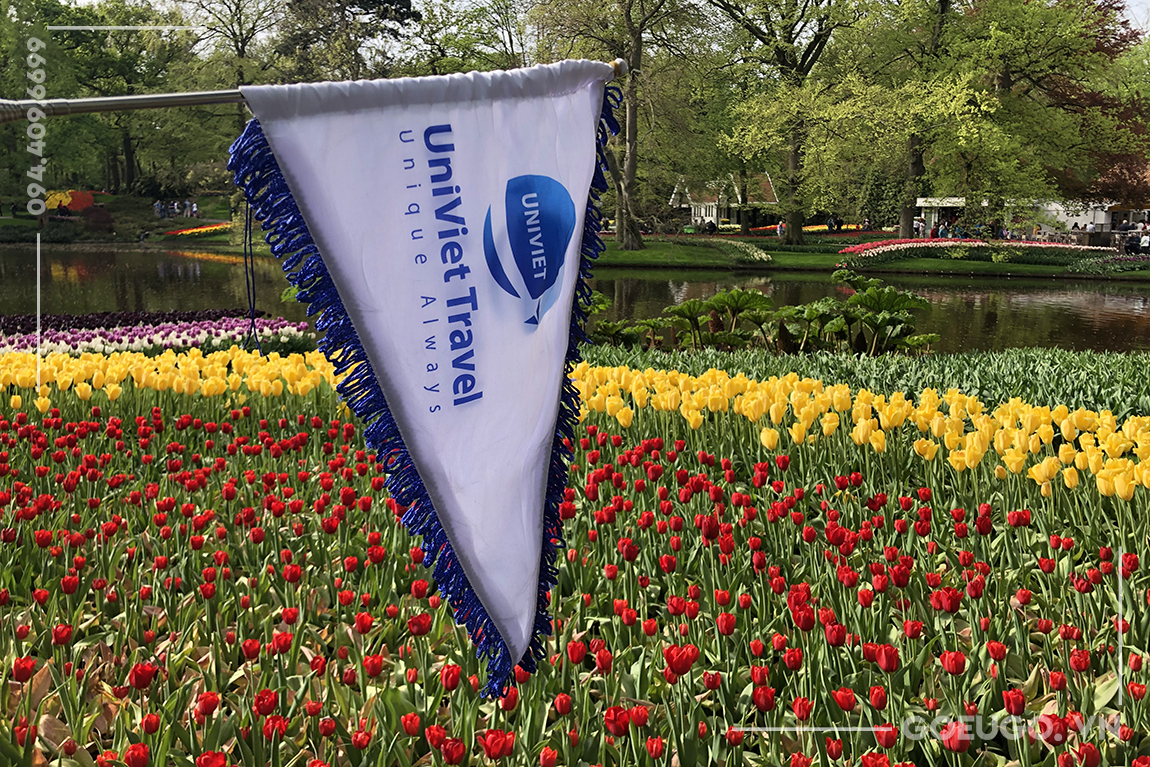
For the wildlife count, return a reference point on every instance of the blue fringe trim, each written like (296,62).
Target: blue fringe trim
(258,174)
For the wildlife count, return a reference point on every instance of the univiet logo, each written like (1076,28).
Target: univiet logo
(539,221)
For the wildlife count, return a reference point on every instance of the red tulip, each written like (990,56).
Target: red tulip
(23,668)
(764,698)
(497,744)
(886,657)
(449,676)
(802,708)
(419,625)
(793,658)
(207,703)
(435,735)
(955,737)
(1014,702)
(616,719)
(361,739)
(886,735)
(410,723)
(212,759)
(141,675)
(548,757)
(372,665)
(878,697)
(62,634)
(563,704)
(953,662)
(725,622)
(363,622)
(136,755)
(266,702)
(453,751)
(655,747)
(834,749)
(845,697)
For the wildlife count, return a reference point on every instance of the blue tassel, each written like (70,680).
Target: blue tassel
(258,174)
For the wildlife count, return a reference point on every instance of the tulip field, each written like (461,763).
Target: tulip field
(199,565)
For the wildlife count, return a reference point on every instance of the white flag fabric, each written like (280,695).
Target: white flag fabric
(440,225)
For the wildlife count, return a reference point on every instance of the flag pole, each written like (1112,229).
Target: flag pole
(14,111)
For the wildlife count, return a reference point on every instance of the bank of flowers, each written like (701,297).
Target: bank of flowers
(205,229)
(199,565)
(270,335)
(813,228)
(999,251)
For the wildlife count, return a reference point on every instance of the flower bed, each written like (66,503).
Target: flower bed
(273,335)
(13,324)
(200,566)
(205,229)
(1006,251)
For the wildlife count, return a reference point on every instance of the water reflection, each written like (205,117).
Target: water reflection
(969,313)
(77,281)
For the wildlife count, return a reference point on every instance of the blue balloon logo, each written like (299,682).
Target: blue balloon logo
(540,219)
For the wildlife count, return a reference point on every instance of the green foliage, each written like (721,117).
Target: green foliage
(875,320)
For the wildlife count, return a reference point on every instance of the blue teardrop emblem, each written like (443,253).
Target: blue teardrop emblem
(540,219)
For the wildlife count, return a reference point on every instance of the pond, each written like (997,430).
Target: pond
(129,280)
(969,313)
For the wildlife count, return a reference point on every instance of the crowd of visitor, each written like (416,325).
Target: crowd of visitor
(175,208)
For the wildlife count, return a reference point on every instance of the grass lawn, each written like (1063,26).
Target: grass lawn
(660,255)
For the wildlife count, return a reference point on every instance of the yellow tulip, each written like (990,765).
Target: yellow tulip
(113,392)
(1124,485)
(624,417)
(878,441)
(695,419)
(957,459)
(1014,460)
(926,448)
(830,423)
(84,392)
(769,438)
(1070,477)
(1045,490)
(42,404)
(1067,453)
(1105,485)
(1000,472)
(15,402)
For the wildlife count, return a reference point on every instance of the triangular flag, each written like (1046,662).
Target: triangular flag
(443,226)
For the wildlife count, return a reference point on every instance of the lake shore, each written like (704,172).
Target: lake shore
(663,254)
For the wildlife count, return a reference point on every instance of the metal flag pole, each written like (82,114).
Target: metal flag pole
(14,111)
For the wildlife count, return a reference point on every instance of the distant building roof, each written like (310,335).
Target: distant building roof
(760,191)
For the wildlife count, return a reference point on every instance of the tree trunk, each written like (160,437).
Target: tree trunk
(744,210)
(790,199)
(129,160)
(915,168)
(627,235)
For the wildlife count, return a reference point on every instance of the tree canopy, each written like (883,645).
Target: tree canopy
(850,106)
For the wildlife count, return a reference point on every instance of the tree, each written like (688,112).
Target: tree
(340,39)
(624,29)
(238,31)
(789,39)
